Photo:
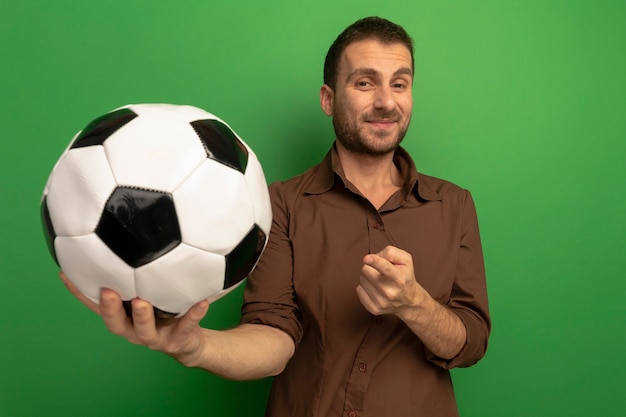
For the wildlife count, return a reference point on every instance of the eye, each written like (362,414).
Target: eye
(363,84)
(400,85)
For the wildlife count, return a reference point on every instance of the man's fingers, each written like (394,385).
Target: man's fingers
(113,313)
(367,287)
(196,314)
(375,265)
(171,336)
(144,323)
(190,321)
(396,256)
(366,299)
(389,262)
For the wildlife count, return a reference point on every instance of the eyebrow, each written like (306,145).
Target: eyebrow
(372,72)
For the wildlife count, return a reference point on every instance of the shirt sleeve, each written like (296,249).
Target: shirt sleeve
(269,296)
(468,298)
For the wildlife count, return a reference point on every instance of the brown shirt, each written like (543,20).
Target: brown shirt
(348,362)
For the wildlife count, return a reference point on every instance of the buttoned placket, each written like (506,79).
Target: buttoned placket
(377,236)
(362,369)
(366,354)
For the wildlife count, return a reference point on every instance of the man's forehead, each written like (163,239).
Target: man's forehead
(372,54)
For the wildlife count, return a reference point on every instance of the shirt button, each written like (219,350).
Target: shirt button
(379,320)
(362,367)
(376,226)
(352,413)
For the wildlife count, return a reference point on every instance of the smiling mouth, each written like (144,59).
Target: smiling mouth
(384,123)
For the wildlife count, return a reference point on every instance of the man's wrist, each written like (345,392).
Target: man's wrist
(191,356)
(418,309)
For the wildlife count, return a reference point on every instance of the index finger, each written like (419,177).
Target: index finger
(395,255)
(113,313)
(378,263)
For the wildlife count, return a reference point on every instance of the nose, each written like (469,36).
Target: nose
(385,99)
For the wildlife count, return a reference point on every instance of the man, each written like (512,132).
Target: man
(372,285)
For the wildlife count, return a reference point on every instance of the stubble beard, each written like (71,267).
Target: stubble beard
(348,134)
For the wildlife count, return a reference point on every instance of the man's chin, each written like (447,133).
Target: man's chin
(383,143)
(370,149)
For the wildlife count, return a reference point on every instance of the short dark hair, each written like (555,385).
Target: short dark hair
(372,27)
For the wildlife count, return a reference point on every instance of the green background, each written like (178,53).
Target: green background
(522,102)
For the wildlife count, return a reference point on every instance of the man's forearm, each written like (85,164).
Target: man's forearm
(438,327)
(246,352)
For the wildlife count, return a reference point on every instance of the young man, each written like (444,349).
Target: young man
(372,285)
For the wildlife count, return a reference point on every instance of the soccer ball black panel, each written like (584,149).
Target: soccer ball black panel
(139,225)
(244,257)
(48,229)
(221,144)
(171,206)
(100,129)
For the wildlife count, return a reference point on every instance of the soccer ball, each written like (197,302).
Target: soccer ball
(157,201)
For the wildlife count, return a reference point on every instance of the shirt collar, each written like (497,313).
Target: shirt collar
(330,168)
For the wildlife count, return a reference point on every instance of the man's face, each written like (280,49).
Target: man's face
(373,100)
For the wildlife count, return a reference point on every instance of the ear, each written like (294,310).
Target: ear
(326,99)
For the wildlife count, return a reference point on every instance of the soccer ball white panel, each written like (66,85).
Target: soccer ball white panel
(79,189)
(259,194)
(91,266)
(214,208)
(184,277)
(47,186)
(154,153)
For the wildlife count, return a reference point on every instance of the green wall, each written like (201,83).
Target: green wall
(522,102)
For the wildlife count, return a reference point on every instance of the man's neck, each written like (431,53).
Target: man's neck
(375,176)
